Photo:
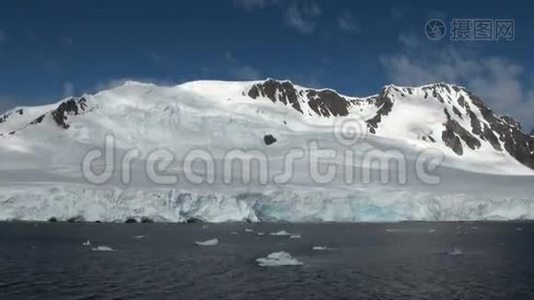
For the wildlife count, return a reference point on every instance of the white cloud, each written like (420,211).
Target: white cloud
(240,71)
(311,8)
(68,89)
(499,81)
(300,15)
(295,19)
(348,22)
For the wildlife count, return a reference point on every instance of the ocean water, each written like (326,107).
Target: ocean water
(162,261)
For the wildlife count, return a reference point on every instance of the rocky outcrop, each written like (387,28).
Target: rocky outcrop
(276,91)
(71,106)
(325,103)
(384,105)
(454,132)
(269,139)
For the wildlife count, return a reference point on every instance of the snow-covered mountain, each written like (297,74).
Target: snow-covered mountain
(487,162)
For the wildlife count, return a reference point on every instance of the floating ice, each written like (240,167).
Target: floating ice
(103,248)
(319,248)
(87,243)
(211,242)
(278,259)
(248,230)
(294,236)
(261,233)
(280,233)
(455,252)
(138,237)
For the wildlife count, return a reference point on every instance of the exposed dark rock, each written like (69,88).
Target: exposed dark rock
(146,220)
(194,221)
(490,136)
(515,142)
(71,106)
(276,91)
(511,121)
(457,112)
(452,141)
(325,103)
(486,134)
(76,219)
(38,120)
(454,132)
(5,116)
(462,102)
(269,139)
(52,219)
(384,104)
(130,221)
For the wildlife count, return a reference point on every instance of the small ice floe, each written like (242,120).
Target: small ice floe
(519,229)
(393,230)
(248,230)
(319,248)
(432,230)
(211,242)
(280,233)
(474,227)
(261,233)
(103,248)
(138,237)
(234,233)
(294,236)
(87,243)
(455,252)
(277,259)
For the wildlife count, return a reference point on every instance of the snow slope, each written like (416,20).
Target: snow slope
(484,174)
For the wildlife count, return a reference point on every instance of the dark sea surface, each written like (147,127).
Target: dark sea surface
(460,260)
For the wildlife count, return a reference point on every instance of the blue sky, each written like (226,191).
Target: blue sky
(58,48)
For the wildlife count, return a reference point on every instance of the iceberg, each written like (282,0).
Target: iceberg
(280,233)
(211,242)
(103,249)
(455,252)
(276,259)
